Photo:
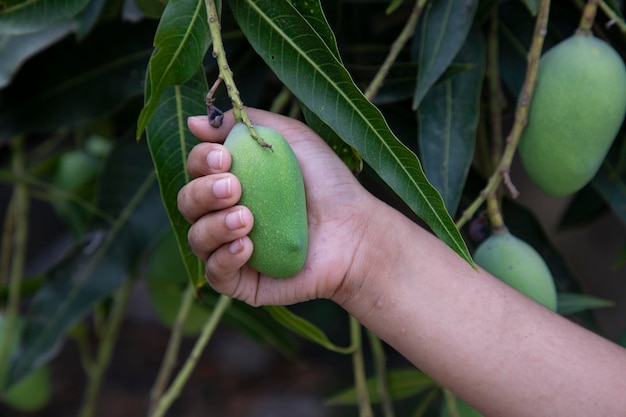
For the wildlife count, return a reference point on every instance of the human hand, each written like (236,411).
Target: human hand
(338,211)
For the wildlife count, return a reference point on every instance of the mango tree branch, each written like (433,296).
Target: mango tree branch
(501,173)
(614,18)
(225,72)
(394,51)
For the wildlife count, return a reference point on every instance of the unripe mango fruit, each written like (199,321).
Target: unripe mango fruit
(273,189)
(577,108)
(518,264)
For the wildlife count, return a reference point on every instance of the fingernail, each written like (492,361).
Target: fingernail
(234,220)
(214,159)
(221,188)
(235,247)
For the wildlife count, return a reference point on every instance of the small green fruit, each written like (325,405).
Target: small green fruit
(577,109)
(518,264)
(32,392)
(273,190)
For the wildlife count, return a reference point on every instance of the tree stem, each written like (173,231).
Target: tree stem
(405,35)
(358,367)
(501,173)
(183,375)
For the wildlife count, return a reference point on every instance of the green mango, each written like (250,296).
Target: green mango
(34,391)
(577,109)
(273,189)
(518,264)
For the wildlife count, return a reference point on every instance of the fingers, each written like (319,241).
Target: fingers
(208,158)
(207,194)
(219,228)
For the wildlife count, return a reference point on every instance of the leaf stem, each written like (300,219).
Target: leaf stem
(396,47)
(358,367)
(173,347)
(183,375)
(13,257)
(226,74)
(501,173)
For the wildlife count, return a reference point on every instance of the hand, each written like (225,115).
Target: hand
(338,210)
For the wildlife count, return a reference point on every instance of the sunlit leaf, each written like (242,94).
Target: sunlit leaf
(296,52)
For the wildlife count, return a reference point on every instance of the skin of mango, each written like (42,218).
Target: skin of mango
(518,264)
(577,109)
(32,392)
(273,189)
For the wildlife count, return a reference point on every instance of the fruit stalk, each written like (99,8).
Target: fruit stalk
(588,17)
(501,173)
(226,74)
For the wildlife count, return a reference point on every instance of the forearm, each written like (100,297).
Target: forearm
(503,353)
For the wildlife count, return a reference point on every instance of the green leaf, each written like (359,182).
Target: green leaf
(170,142)
(296,52)
(102,262)
(612,187)
(304,328)
(403,383)
(27,16)
(181,42)
(17,49)
(448,118)
(108,74)
(442,31)
(572,303)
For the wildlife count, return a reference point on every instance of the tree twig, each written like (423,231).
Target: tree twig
(405,35)
(501,173)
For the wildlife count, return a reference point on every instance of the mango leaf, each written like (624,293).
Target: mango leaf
(403,383)
(612,187)
(532,5)
(27,16)
(572,303)
(16,49)
(448,118)
(442,31)
(304,328)
(102,263)
(295,51)
(170,141)
(181,42)
(109,73)
(260,327)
